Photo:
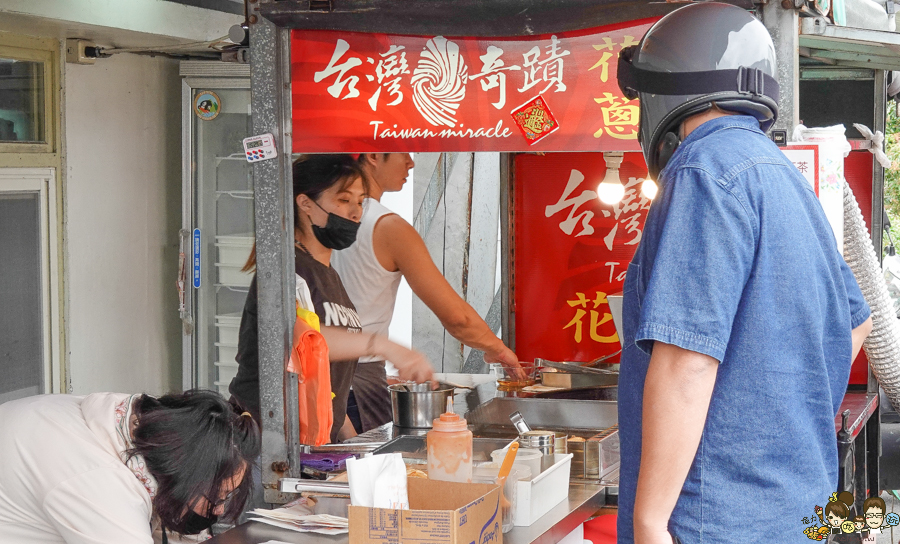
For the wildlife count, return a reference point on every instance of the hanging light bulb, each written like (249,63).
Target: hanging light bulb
(610,190)
(649,189)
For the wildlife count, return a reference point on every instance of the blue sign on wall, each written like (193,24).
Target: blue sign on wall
(196,258)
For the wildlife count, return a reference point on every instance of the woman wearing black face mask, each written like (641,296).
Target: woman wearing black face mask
(112,467)
(328,192)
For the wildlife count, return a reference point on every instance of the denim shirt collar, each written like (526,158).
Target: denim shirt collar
(710,127)
(720,123)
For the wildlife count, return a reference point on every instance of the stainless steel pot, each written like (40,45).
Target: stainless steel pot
(416,405)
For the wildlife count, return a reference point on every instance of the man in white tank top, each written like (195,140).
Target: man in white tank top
(386,249)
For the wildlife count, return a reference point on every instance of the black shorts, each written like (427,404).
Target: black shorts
(373,400)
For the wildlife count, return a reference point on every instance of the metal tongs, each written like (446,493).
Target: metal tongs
(581,369)
(519,422)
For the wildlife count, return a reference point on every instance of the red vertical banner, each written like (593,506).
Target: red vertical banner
(858,170)
(570,251)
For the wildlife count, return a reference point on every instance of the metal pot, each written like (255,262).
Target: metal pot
(417,406)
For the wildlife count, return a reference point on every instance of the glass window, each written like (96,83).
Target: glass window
(21,344)
(21,101)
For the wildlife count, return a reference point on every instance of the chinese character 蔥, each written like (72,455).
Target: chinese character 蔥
(568,225)
(388,71)
(596,320)
(549,70)
(619,115)
(492,75)
(341,80)
(627,212)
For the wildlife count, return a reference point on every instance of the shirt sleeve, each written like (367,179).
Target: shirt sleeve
(859,308)
(304,298)
(100,507)
(702,262)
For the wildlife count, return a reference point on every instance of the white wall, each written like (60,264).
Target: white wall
(175,22)
(122,208)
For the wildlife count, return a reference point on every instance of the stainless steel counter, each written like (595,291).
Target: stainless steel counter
(583,501)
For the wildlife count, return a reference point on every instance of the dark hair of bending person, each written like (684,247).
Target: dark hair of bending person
(200,451)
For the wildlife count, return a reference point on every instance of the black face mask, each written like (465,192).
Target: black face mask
(195,523)
(338,233)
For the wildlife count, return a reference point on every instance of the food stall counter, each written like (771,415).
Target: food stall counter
(583,502)
(584,498)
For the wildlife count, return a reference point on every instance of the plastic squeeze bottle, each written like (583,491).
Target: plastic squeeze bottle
(449,448)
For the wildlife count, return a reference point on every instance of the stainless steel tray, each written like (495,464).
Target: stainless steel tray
(492,418)
(413,447)
(582,368)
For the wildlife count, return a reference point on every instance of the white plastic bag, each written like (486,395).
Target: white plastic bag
(378,481)
(833,149)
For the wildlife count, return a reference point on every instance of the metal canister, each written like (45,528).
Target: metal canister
(560,446)
(545,441)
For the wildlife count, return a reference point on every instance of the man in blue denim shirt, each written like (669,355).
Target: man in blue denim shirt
(740,316)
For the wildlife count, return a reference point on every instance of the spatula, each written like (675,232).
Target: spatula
(503,474)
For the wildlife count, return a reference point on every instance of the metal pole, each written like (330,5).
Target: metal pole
(506,250)
(880,116)
(873,426)
(782,25)
(270,105)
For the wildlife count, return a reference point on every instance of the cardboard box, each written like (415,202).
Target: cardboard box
(440,513)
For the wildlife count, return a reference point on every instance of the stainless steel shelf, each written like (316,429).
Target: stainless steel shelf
(852,47)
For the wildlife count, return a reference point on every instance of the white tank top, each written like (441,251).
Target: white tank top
(372,289)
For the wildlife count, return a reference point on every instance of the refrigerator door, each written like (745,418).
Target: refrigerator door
(218,228)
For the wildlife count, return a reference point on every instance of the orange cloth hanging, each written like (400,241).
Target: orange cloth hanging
(309,360)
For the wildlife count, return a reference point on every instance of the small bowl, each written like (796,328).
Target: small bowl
(514,378)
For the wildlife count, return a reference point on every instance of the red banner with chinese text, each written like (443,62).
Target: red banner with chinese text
(571,250)
(362,92)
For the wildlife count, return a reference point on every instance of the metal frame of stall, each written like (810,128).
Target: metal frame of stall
(849,54)
(270,105)
(271,21)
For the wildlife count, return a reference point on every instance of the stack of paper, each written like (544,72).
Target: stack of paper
(540,388)
(298,518)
